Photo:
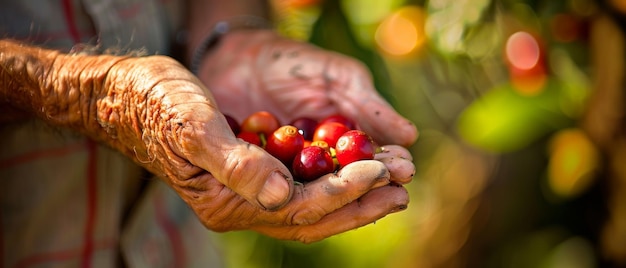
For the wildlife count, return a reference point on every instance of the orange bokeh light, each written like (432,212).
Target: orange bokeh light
(402,32)
(574,159)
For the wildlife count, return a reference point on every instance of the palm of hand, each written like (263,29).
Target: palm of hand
(263,71)
(254,71)
(288,78)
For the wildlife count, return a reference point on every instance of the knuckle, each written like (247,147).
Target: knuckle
(400,169)
(237,167)
(307,215)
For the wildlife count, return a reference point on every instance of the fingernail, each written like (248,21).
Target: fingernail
(275,192)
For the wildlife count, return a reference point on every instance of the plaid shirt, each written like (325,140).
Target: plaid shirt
(69,202)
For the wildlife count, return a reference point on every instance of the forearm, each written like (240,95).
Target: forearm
(80,92)
(115,100)
(51,85)
(204,14)
(22,69)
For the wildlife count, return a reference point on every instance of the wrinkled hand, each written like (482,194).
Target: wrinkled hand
(253,71)
(232,185)
(159,114)
(163,116)
(258,70)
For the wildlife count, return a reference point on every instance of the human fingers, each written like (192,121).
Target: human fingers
(315,199)
(398,161)
(394,150)
(186,134)
(220,209)
(369,208)
(357,98)
(245,168)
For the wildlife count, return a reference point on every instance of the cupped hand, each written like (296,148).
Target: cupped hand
(254,70)
(233,185)
(165,119)
(359,194)
(153,110)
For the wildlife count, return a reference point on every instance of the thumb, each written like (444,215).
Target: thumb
(254,174)
(246,169)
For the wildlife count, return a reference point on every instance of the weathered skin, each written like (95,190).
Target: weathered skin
(393,150)
(298,79)
(162,117)
(399,162)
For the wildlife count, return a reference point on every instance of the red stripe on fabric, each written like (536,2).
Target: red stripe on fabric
(68,9)
(48,257)
(171,231)
(46,153)
(58,256)
(90,224)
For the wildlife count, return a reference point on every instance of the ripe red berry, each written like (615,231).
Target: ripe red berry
(354,145)
(233,124)
(260,122)
(329,132)
(250,137)
(306,125)
(339,119)
(311,163)
(285,143)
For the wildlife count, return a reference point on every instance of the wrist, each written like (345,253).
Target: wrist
(217,33)
(51,85)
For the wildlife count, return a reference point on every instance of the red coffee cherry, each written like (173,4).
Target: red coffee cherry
(250,137)
(354,145)
(285,143)
(329,132)
(306,126)
(311,163)
(339,119)
(260,122)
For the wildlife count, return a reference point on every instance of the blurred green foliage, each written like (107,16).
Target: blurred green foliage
(502,120)
(332,31)
(481,197)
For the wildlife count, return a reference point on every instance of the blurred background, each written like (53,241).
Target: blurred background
(520,109)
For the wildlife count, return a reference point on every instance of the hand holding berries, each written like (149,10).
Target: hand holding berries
(312,149)
(332,177)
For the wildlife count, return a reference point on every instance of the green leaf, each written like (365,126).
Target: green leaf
(503,120)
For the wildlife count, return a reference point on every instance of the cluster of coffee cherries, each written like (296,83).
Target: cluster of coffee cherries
(310,148)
